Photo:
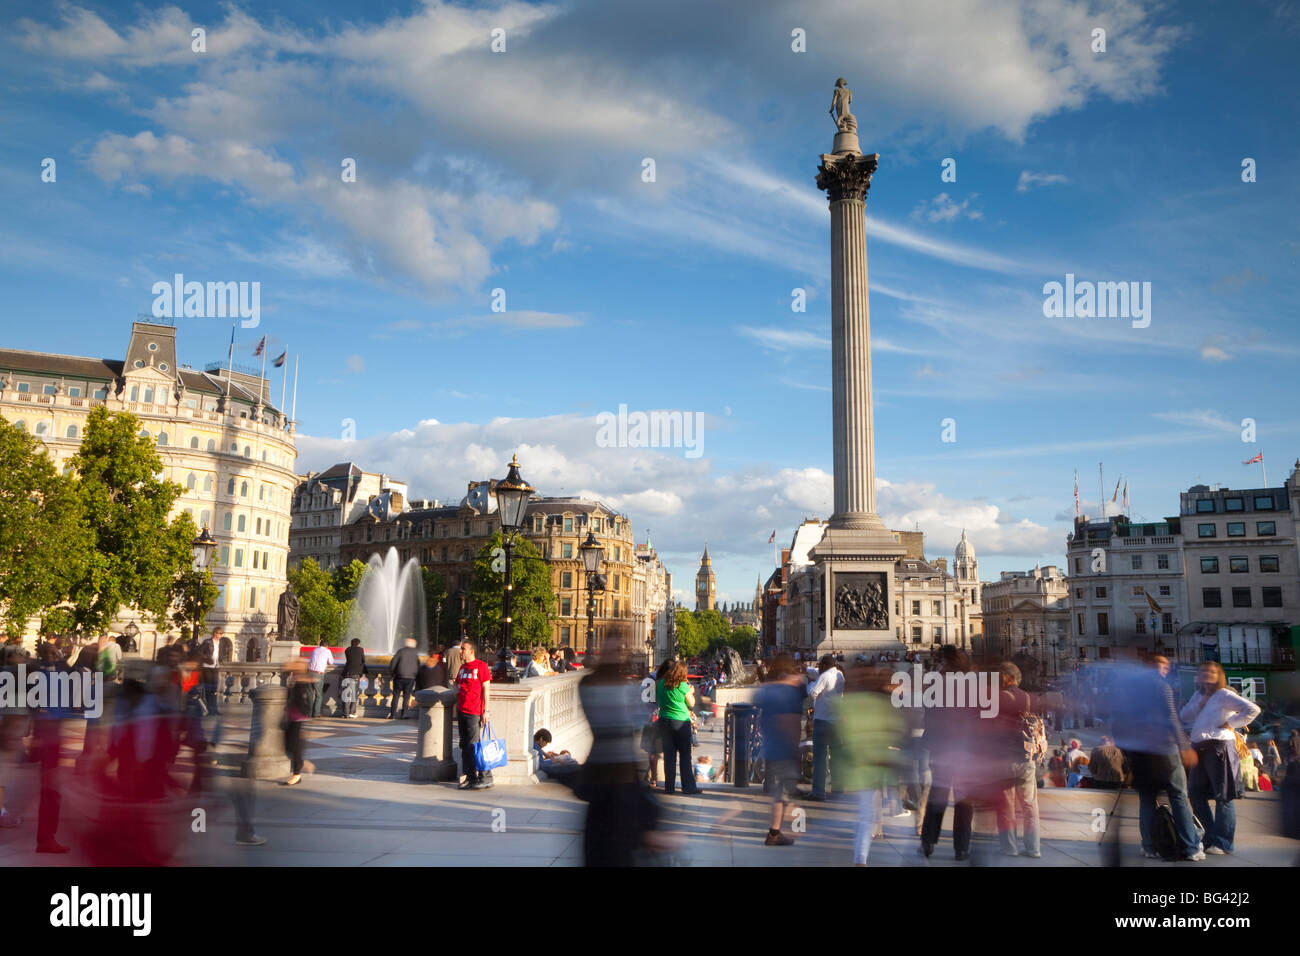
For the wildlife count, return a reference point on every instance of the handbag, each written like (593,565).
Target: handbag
(489,751)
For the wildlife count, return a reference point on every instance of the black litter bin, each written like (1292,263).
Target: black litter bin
(741,740)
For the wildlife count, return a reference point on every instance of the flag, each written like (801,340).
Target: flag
(280,361)
(1258,458)
(260,345)
(1076,494)
(772,537)
(1116,494)
(1154,606)
(1126,497)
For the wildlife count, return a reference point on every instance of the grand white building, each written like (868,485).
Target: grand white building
(220,439)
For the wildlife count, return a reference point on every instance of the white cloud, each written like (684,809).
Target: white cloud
(1030,179)
(943,208)
(356,363)
(783,339)
(1200,418)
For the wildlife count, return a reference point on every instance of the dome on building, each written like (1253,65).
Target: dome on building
(965,550)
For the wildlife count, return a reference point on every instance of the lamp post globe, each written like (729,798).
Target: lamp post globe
(592,555)
(202,547)
(512,504)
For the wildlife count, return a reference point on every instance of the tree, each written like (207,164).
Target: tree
(347,579)
(745,640)
(691,642)
(320,612)
(435,594)
(133,552)
(193,596)
(533,607)
(42,542)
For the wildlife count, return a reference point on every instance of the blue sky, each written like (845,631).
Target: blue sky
(522,171)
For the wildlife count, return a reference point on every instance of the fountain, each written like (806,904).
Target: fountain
(389,606)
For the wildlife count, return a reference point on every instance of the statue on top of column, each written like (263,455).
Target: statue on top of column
(845,121)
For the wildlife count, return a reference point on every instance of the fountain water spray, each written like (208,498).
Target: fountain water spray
(389,605)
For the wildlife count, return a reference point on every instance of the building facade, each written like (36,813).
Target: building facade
(1028,613)
(219,438)
(1128,594)
(324,503)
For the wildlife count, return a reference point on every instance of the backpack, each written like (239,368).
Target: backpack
(1164,836)
(1033,737)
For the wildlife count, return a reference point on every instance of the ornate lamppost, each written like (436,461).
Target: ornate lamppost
(592,555)
(512,503)
(202,547)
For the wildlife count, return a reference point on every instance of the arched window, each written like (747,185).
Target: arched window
(228,520)
(42,428)
(248,451)
(207,482)
(243,523)
(261,492)
(190,482)
(148,395)
(20,425)
(243,489)
(162,438)
(194,441)
(204,517)
(259,526)
(230,486)
(71,432)
(212,444)
(234,448)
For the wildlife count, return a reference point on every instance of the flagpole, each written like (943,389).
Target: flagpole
(1101,487)
(293,419)
(261,382)
(1264,468)
(284,384)
(230,360)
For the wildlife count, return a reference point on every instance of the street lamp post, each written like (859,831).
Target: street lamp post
(464,614)
(202,548)
(512,503)
(592,555)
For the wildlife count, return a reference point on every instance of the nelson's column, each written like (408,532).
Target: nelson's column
(857,554)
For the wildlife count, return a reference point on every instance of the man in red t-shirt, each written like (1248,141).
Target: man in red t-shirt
(471,711)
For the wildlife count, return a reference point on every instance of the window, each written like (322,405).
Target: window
(243,489)
(205,518)
(50,390)
(1137,562)
(207,482)
(74,392)
(916,607)
(190,482)
(1265,528)
(228,519)
(568,523)
(467,529)
(1205,506)
(212,444)
(566,579)
(616,607)
(20,425)
(1167,623)
(261,492)
(1139,624)
(148,395)
(1164,590)
(1139,590)
(938,607)
(1103,624)
(243,523)
(566,606)
(1080,625)
(135,393)
(1078,593)
(564,635)
(1162,562)
(1268,563)
(1078,566)
(1205,531)
(1101,592)
(596,523)
(43,427)
(248,451)
(1239,565)
(101,393)
(938,635)
(1209,565)
(1272,597)
(194,441)
(22,388)
(259,526)
(162,438)
(234,448)
(916,635)
(225,548)
(252,597)
(616,583)
(1236,529)
(230,486)
(1232,504)
(567,551)
(239,552)
(618,553)
(257,557)
(1210,597)
(1263,502)
(1241,597)
(71,432)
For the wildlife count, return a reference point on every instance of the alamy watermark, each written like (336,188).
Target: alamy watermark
(213,300)
(657,429)
(920,688)
(1100,300)
(48,690)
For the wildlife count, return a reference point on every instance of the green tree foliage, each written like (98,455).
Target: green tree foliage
(745,640)
(133,552)
(42,542)
(534,603)
(435,595)
(347,579)
(320,612)
(193,597)
(691,641)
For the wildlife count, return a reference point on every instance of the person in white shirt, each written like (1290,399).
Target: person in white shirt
(1215,711)
(825,692)
(322,659)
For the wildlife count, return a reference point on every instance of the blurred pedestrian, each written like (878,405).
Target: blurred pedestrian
(303,689)
(781,703)
(1107,766)
(871,733)
(402,669)
(1215,711)
(322,659)
(1026,745)
(354,671)
(949,738)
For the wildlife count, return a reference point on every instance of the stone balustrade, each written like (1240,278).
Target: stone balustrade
(517,711)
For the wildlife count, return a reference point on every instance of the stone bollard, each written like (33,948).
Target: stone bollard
(94,749)
(433,759)
(266,754)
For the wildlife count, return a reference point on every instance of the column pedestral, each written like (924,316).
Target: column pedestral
(434,759)
(857,554)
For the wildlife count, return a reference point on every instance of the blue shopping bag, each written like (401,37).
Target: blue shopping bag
(489,751)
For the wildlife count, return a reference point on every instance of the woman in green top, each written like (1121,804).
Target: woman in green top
(871,733)
(675,698)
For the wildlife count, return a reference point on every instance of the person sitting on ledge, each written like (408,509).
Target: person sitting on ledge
(560,767)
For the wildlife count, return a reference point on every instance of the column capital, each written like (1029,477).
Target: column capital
(846,175)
